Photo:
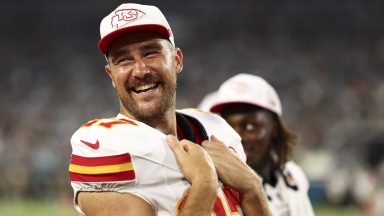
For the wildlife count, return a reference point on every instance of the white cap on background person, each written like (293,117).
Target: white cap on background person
(207,101)
(132,17)
(247,89)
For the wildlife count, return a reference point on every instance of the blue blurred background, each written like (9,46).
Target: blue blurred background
(325,58)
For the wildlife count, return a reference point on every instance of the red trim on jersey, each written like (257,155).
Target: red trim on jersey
(232,197)
(117,122)
(198,136)
(88,124)
(218,207)
(187,128)
(109,177)
(180,133)
(100,161)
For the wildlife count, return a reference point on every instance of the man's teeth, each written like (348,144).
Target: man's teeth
(145,87)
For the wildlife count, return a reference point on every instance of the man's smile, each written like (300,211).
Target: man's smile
(144,87)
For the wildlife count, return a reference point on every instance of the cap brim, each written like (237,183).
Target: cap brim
(219,106)
(106,41)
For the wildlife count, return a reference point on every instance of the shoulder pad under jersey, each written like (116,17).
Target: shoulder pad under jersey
(216,125)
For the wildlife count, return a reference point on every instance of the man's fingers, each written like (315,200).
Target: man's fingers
(185,144)
(174,144)
(215,139)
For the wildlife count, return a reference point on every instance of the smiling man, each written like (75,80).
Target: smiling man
(139,65)
(152,159)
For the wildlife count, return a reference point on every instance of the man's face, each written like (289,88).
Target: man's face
(143,68)
(256,128)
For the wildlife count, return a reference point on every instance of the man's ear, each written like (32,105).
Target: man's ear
(179,60)
(109,72)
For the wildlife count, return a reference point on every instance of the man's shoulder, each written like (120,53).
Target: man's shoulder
(110,122)
(292,167)
(213,123)
(109,136)
(202,116)
(295,175)
(217,126)
(113,125)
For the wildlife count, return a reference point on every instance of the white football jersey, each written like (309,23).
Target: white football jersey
(289,197)
(127,156)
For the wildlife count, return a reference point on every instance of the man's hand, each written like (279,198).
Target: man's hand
(195,163)
(232,171)
(198,168)
(235,173)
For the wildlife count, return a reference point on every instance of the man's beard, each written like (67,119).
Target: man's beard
(151,113)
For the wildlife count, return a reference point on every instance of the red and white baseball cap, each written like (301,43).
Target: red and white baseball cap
(132,17)
(248,89)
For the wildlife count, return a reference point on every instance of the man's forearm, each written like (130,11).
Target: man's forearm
(200,200)
(254,202)
(199,170)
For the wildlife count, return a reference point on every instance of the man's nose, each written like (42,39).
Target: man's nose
(140,69)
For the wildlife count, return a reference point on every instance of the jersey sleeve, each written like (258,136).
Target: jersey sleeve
(105,157)
(94,160)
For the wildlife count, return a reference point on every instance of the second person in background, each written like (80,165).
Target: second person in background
(252,107)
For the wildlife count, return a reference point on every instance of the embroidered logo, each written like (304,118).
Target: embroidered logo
(239,87)
(125,16)
(272,101)
(94,146)
(289,180)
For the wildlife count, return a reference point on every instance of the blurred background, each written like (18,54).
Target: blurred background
(325,58)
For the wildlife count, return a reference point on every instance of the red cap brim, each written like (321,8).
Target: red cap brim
(218,107)
(107,40)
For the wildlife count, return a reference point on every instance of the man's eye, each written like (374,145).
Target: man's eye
(249,127)
(151,53)
(123,60)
